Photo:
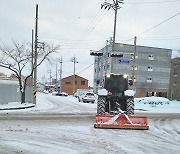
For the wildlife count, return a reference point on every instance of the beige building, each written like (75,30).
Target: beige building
(67,84)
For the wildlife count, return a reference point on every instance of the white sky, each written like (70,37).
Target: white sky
(80,26)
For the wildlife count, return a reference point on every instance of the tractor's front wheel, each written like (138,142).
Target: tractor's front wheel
(101,105)
(130,105)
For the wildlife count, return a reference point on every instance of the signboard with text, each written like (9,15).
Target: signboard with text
(123,61)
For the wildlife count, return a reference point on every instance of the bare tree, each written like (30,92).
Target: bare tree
(18,59)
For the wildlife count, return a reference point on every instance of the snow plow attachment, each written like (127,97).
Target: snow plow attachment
(121,121)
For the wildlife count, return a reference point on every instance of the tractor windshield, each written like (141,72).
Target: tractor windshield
(116,84)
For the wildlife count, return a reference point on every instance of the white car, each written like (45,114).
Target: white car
(87,97)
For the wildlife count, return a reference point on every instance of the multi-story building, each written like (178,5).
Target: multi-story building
(152,67)
(174,86)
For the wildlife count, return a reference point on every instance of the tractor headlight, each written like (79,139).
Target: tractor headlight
(108,75)
(125,76)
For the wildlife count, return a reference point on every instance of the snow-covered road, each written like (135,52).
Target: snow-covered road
(75,134)
(63,125)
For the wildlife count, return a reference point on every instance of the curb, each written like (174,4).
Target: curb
(25,107)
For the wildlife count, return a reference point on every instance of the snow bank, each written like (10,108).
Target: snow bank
(156,105)
(152,100)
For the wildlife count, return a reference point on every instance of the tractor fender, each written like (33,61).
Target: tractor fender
(129,93)
(102,92)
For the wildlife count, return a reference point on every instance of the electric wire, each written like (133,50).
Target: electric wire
(155,2)
(85,68)
(153,27)
(158,24)
(91,27)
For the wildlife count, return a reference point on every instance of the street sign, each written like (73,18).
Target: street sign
(124,61)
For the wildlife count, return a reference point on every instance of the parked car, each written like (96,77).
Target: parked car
(87,97)
(80,92)
(61,94)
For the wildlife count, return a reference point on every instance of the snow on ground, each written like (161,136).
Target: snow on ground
(43,133)
(156,105)
(70,104)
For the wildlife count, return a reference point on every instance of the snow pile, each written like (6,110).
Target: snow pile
(156,105)
(152,100)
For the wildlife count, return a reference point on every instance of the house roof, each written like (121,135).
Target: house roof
(71,76)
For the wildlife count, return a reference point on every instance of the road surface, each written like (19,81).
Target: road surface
(71,133)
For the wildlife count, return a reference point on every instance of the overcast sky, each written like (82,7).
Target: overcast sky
(79,26)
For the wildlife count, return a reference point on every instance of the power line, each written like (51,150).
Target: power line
(66,18)
(153,2)
(85,68)
(160,38)
(153,27)
(91,26)
(158,24)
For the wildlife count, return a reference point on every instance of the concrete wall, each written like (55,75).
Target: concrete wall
(10,93)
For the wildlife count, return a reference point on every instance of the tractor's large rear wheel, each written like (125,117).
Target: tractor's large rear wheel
(101,105)
(130,105)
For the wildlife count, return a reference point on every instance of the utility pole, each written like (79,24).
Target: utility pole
(49,71)
(35,56)
(134,61)
(60,74)
(32,46)
(74,61)
(115,6)
(56,75)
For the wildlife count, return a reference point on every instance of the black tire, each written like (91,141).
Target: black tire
(130,105)
(101,105)
(79,99)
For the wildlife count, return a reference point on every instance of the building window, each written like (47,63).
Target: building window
(82,82)
(67,82)
(108,66)
(134,79)
(175,74)
(150,68)
(75,81)
(135,68)
(174,84)
(136,56)
(149,80)
(150,57)
(95,70)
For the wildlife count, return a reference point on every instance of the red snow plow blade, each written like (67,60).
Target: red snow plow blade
(121,121)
